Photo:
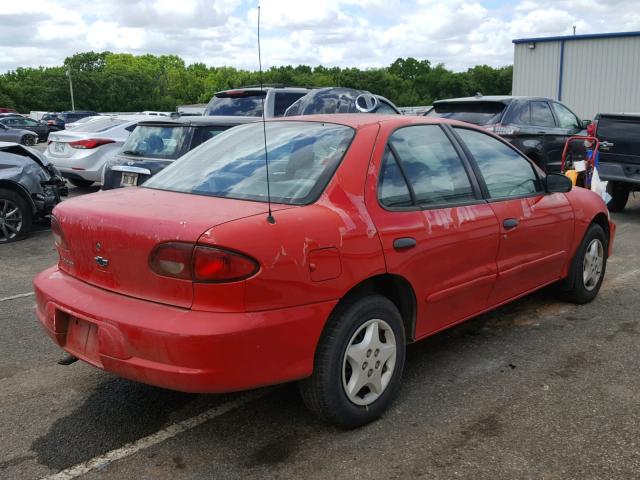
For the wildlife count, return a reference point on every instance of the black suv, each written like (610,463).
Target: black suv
(155,144)
(57,121)
(538,126)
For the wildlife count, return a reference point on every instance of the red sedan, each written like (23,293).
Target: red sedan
(384,230)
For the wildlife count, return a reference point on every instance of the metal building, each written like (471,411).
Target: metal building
(589,73)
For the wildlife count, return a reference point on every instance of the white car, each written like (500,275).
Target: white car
(81,121)
(80,154)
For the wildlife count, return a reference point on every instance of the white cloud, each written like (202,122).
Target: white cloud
(362,33)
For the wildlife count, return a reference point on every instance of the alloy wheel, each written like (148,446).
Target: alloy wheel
(368,362)
(592,264)
(10,220)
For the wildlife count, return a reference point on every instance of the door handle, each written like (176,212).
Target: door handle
(510,223)
(404,243)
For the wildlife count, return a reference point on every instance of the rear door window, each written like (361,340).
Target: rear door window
(432,167)
(541,115)
(202,134)
(284,100)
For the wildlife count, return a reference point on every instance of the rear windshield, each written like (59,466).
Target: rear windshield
(480,113)
(240,104)
(302,158)
(157,141)
(99,125)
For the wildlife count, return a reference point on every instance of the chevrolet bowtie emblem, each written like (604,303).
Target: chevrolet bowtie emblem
(103,262)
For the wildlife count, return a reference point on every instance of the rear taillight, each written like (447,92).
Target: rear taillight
(217,265)
(58,235)
(200,264)
(90,143)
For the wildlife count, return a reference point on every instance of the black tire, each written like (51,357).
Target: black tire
(19,221)
(575,289)
(28,140)
(78,182)
(324,393)
(619,196)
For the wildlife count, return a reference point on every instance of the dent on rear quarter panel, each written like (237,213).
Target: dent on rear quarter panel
(339,219)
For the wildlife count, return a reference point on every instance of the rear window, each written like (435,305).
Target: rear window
(99,125)
(156,141)
(247,103)
(302,158)
(479,113)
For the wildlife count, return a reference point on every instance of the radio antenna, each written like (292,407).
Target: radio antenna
(270,218)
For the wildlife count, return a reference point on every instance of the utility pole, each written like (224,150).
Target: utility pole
(73,105)
(574,29)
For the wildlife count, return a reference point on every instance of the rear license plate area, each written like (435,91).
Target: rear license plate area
(129,179)
(58,147)
(82,339)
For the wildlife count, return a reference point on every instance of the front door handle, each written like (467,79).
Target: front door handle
(404,243)
(510,223)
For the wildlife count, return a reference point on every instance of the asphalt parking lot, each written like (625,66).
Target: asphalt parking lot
(538,389)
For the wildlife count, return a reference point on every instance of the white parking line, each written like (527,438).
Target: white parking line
(13,297)
(155,438)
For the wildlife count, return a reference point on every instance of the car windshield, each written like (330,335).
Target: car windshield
(480,113)
(302,158)
(241,104)
(99,125)
(156,141)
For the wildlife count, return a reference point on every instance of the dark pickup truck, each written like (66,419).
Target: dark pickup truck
(619,164)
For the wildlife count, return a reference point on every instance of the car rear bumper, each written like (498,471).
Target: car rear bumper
(179,349)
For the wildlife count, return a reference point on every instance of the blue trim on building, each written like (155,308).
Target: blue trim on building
(561,70)
(577,37)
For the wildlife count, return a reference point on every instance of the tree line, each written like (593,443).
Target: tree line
(113,82)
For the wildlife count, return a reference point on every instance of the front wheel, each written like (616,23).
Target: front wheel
(15,216)
(588,267)
(28,140)
(358,363)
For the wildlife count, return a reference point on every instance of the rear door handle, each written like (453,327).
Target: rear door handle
(510,223)
(404,243)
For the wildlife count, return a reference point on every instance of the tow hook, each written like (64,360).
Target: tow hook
(68,360)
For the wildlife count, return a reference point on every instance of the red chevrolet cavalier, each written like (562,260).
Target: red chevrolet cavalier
(384,230)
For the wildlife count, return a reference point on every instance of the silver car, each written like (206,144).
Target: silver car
(17,135)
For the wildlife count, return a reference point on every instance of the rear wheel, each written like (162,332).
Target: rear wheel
(80,183)
(588,267)
(358,363)
(15,216)
(28,140)
(619,196)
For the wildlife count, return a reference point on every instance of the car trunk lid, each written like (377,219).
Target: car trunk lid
(111,234)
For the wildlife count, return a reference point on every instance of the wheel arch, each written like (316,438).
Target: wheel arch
(394,287)
(20,190)
(602,220)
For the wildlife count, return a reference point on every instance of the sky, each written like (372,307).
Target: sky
(357,33)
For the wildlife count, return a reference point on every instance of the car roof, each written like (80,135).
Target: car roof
(266,87)
(489,98)
(359,120)
(204,121)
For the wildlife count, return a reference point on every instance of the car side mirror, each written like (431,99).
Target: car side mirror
(557,183)
(586,123)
